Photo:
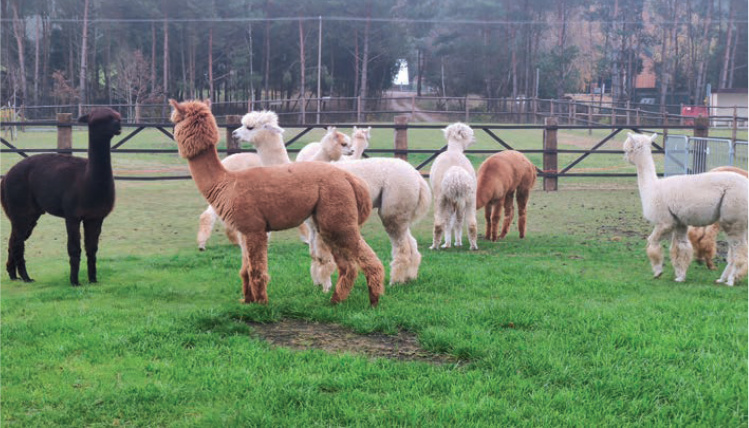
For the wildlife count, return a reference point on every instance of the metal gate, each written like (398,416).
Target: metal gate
(695,155)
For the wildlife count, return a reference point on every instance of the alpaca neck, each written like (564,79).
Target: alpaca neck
(273,152)
(324,155)
(454,146)
(208,172)
(646,176)
(360,144)
(99,165)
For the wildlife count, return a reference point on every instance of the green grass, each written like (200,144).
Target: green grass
(563,328)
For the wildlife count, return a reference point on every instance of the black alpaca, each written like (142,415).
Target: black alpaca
(76,189)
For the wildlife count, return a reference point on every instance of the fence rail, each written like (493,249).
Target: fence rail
(550,171)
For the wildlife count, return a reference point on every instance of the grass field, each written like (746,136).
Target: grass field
(563,328)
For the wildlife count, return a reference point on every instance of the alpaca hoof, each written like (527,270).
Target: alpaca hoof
(679,279)
(28,280)
(719,281)
(434,247)
(445,245)
(474,248)
(201,248)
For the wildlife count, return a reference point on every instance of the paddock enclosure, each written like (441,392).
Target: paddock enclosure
(563,327)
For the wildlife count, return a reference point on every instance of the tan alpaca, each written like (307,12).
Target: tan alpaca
(257,200)
(703,238)
(332,146)
(501,177)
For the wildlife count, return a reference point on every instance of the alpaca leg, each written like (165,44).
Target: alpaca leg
(522,199)
(458,226)
(257,252)
(413,270)
(374,272)
(439,226)
(449,227)
(496,214)
(322,265)
(91,233)
(346,276)
(232,235)
(654,251)
(304,233)
(472,223)
(737,256)
(205,226)
(401,250)
(20,232)
(74,248)
(509,213)
(244,274)
(488,218)
(681,253)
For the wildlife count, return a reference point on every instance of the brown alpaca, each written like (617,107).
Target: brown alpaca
(262,199)
(703,238)
(500,178)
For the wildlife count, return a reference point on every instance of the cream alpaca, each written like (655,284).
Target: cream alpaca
(261,129)
(703,238)
(360,141)
(453,182)
(674,203)
(332,146)
(402,197)
(257,200)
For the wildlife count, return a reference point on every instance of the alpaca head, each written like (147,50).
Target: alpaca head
(336,144)
(459,133)
(103,121)
(362,136)
(258,126)
(195,128)
(636,144)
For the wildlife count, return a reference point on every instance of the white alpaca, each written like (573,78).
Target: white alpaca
(332,146)
(453,182)
(261,129)
(401,196)
(676,202)
(360,141)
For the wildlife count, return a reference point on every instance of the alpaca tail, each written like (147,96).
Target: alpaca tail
(457,184)
(425,200)
(363,201)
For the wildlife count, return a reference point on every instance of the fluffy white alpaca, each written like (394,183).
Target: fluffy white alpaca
(332,146)
(401,196)
(453,182)
(360,141)
(676,202)
(261,129)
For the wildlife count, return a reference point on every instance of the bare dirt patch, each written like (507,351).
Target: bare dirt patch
(303,335)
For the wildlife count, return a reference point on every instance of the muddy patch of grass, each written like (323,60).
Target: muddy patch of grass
(303,335)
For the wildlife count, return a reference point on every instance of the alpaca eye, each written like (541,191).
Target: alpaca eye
(250,128)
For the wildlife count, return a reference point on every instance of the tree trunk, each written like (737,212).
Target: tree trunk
(266,77)
(36,60)
(165,65)
(356,62)
(84,57)
(153,57)
(302,68)
(210,64)
(365,54)
(727,53)
(19,33)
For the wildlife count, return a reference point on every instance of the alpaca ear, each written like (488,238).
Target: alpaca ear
(274,129)
(630,135)
(653,137)
(207,102)
(176,105)
(83,119)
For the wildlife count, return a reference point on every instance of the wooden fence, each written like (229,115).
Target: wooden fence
(550,171)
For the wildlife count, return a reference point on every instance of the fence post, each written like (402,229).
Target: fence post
(535,109)
(613,116)
(467,109)
(701,130)
(65,133)
(733,129)
(628,107)
(358,109)
(233,122)
(401,137)
(550,154)
(665,125)
(637,117)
